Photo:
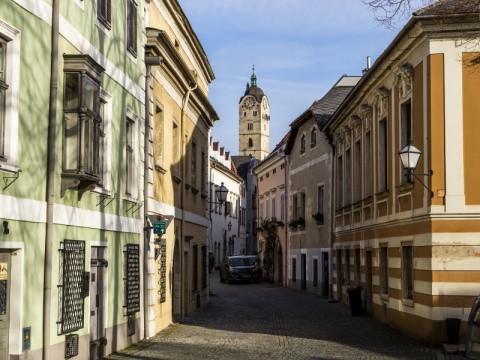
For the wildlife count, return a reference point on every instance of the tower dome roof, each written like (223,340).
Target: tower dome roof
(253,89)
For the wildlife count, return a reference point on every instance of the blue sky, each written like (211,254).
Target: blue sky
(300,48)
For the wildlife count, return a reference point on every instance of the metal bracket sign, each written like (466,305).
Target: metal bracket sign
(160,227)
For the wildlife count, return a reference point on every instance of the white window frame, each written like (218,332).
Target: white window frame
(131,117)
(106,99)
(13,38)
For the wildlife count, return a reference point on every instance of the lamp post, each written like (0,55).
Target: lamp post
(409,156)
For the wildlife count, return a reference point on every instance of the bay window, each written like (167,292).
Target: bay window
(82,124)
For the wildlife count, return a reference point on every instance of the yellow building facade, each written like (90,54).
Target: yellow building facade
(411,242)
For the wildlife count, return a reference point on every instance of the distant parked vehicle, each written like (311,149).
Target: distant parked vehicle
(238,268)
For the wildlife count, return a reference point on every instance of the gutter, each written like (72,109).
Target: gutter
(51,155)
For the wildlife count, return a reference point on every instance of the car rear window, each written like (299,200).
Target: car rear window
(240,262)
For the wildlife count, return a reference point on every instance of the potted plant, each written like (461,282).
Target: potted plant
(293,224)
(318,217)
(301,223)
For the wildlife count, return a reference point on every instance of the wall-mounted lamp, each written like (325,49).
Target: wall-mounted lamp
(6,230)
(229,226)
(221,195)
(409,156)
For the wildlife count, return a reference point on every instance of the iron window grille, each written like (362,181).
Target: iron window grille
(163,274)
(195,268)
(71,346)
(3,297)
(204,267)
(71,286)
(315,272)
(131,279)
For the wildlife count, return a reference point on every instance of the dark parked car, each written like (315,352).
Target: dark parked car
(238,268)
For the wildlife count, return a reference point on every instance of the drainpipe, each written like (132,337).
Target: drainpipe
(182,197)
(332,217)
(285,226)
(52,125)
(149,62)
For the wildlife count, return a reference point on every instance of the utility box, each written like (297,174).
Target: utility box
(473,332)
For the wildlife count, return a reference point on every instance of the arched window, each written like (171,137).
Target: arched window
(302,144)
(250,142)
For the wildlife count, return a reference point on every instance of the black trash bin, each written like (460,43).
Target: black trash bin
(453,330)
(355,296)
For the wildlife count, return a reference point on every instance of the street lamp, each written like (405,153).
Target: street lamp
(409,156)
(221,194)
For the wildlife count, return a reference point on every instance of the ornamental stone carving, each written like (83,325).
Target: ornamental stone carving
(366,113)
(356,123)
(404,79)
(381,101)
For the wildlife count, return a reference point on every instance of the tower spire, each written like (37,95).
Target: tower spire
(253,78)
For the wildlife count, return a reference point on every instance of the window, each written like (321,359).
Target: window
(176,150)
(204,173)
(407,272)
(132,27)
(348,177)
(313,138)
(194,164)
(104,141)
(104,12)
(274,210)
(10,50)
(274,171)
(320,197)
(3,90)
(358,172)
(267,205)
(158,128)
(244,113)
(368,165)
(405,131)
(315,272)
(260,211)
(384,269)
(71,287)
(255,113)
(340,183)
(295,209)
(82,129)
(282,207)
(282,166)
(162,282)
(382,155)
(129,155)
(347,266)
(250,142)
(304,205)
(302,144)
(250,126)
(294,269)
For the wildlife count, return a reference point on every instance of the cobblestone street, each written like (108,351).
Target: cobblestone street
(264,321)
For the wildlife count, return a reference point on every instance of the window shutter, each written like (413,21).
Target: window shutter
(132,27)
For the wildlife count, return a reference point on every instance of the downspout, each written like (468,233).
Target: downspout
(285,271)
(52,125)
(332,217)
(149,62)
(182,198)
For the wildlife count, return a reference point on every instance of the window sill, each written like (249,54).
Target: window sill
(81,182)
(176,179)
(384,297)
(195,191)
(160,169)
(9,168)
(403,188)
(102,191)
(408,302)
(382,194)
(204,196)
(129,199)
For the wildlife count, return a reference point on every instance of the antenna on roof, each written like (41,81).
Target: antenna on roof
(368,65)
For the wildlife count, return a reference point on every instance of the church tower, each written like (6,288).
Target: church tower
(254,122)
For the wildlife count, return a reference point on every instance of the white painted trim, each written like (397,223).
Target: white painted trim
(13,37)
(17,262)
(14,208)
(43,11)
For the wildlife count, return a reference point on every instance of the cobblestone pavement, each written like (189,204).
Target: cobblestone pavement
(265,321)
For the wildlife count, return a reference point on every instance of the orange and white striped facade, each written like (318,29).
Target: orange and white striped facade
(415,256)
